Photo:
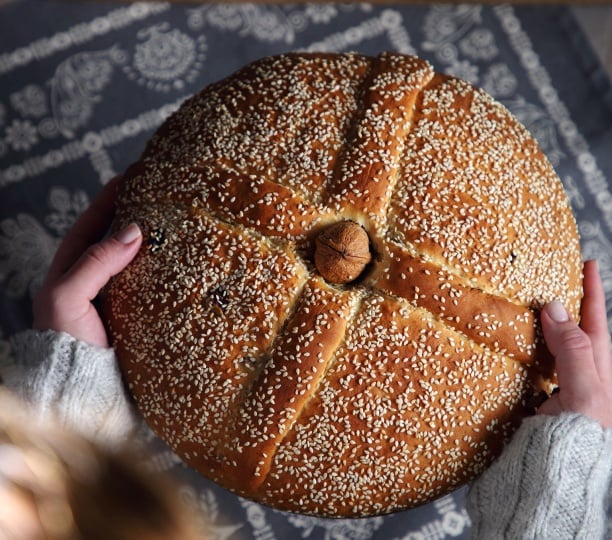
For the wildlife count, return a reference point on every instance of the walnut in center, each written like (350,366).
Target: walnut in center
(342,252)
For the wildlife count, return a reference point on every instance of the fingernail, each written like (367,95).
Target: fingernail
(557,312)
(129,234)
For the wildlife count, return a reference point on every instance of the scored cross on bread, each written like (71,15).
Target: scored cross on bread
(292,359)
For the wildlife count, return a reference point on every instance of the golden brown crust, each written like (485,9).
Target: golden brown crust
(295,367)
(401,417)
(340,400)
(495,322)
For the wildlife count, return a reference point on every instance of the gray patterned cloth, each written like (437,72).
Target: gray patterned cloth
(83,86)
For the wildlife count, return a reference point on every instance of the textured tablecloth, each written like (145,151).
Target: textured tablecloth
(83,86)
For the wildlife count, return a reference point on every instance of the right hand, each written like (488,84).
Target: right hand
(583,357)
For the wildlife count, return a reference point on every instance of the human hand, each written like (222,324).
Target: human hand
(583,357)
(83,264)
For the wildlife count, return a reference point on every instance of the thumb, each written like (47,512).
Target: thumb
(572,349)
(100,262)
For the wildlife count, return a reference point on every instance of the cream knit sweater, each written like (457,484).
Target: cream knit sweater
(79,383)
(550,482)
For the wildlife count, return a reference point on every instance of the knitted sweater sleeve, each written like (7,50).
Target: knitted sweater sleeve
(79,384)
(551,481)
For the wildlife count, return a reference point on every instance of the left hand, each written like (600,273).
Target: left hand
(83,264)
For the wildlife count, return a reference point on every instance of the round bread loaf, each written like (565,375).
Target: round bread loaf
(334,311)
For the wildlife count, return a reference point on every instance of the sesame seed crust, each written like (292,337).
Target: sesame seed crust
(353,400)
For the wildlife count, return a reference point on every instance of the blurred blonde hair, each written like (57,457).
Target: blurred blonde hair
(55,485)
